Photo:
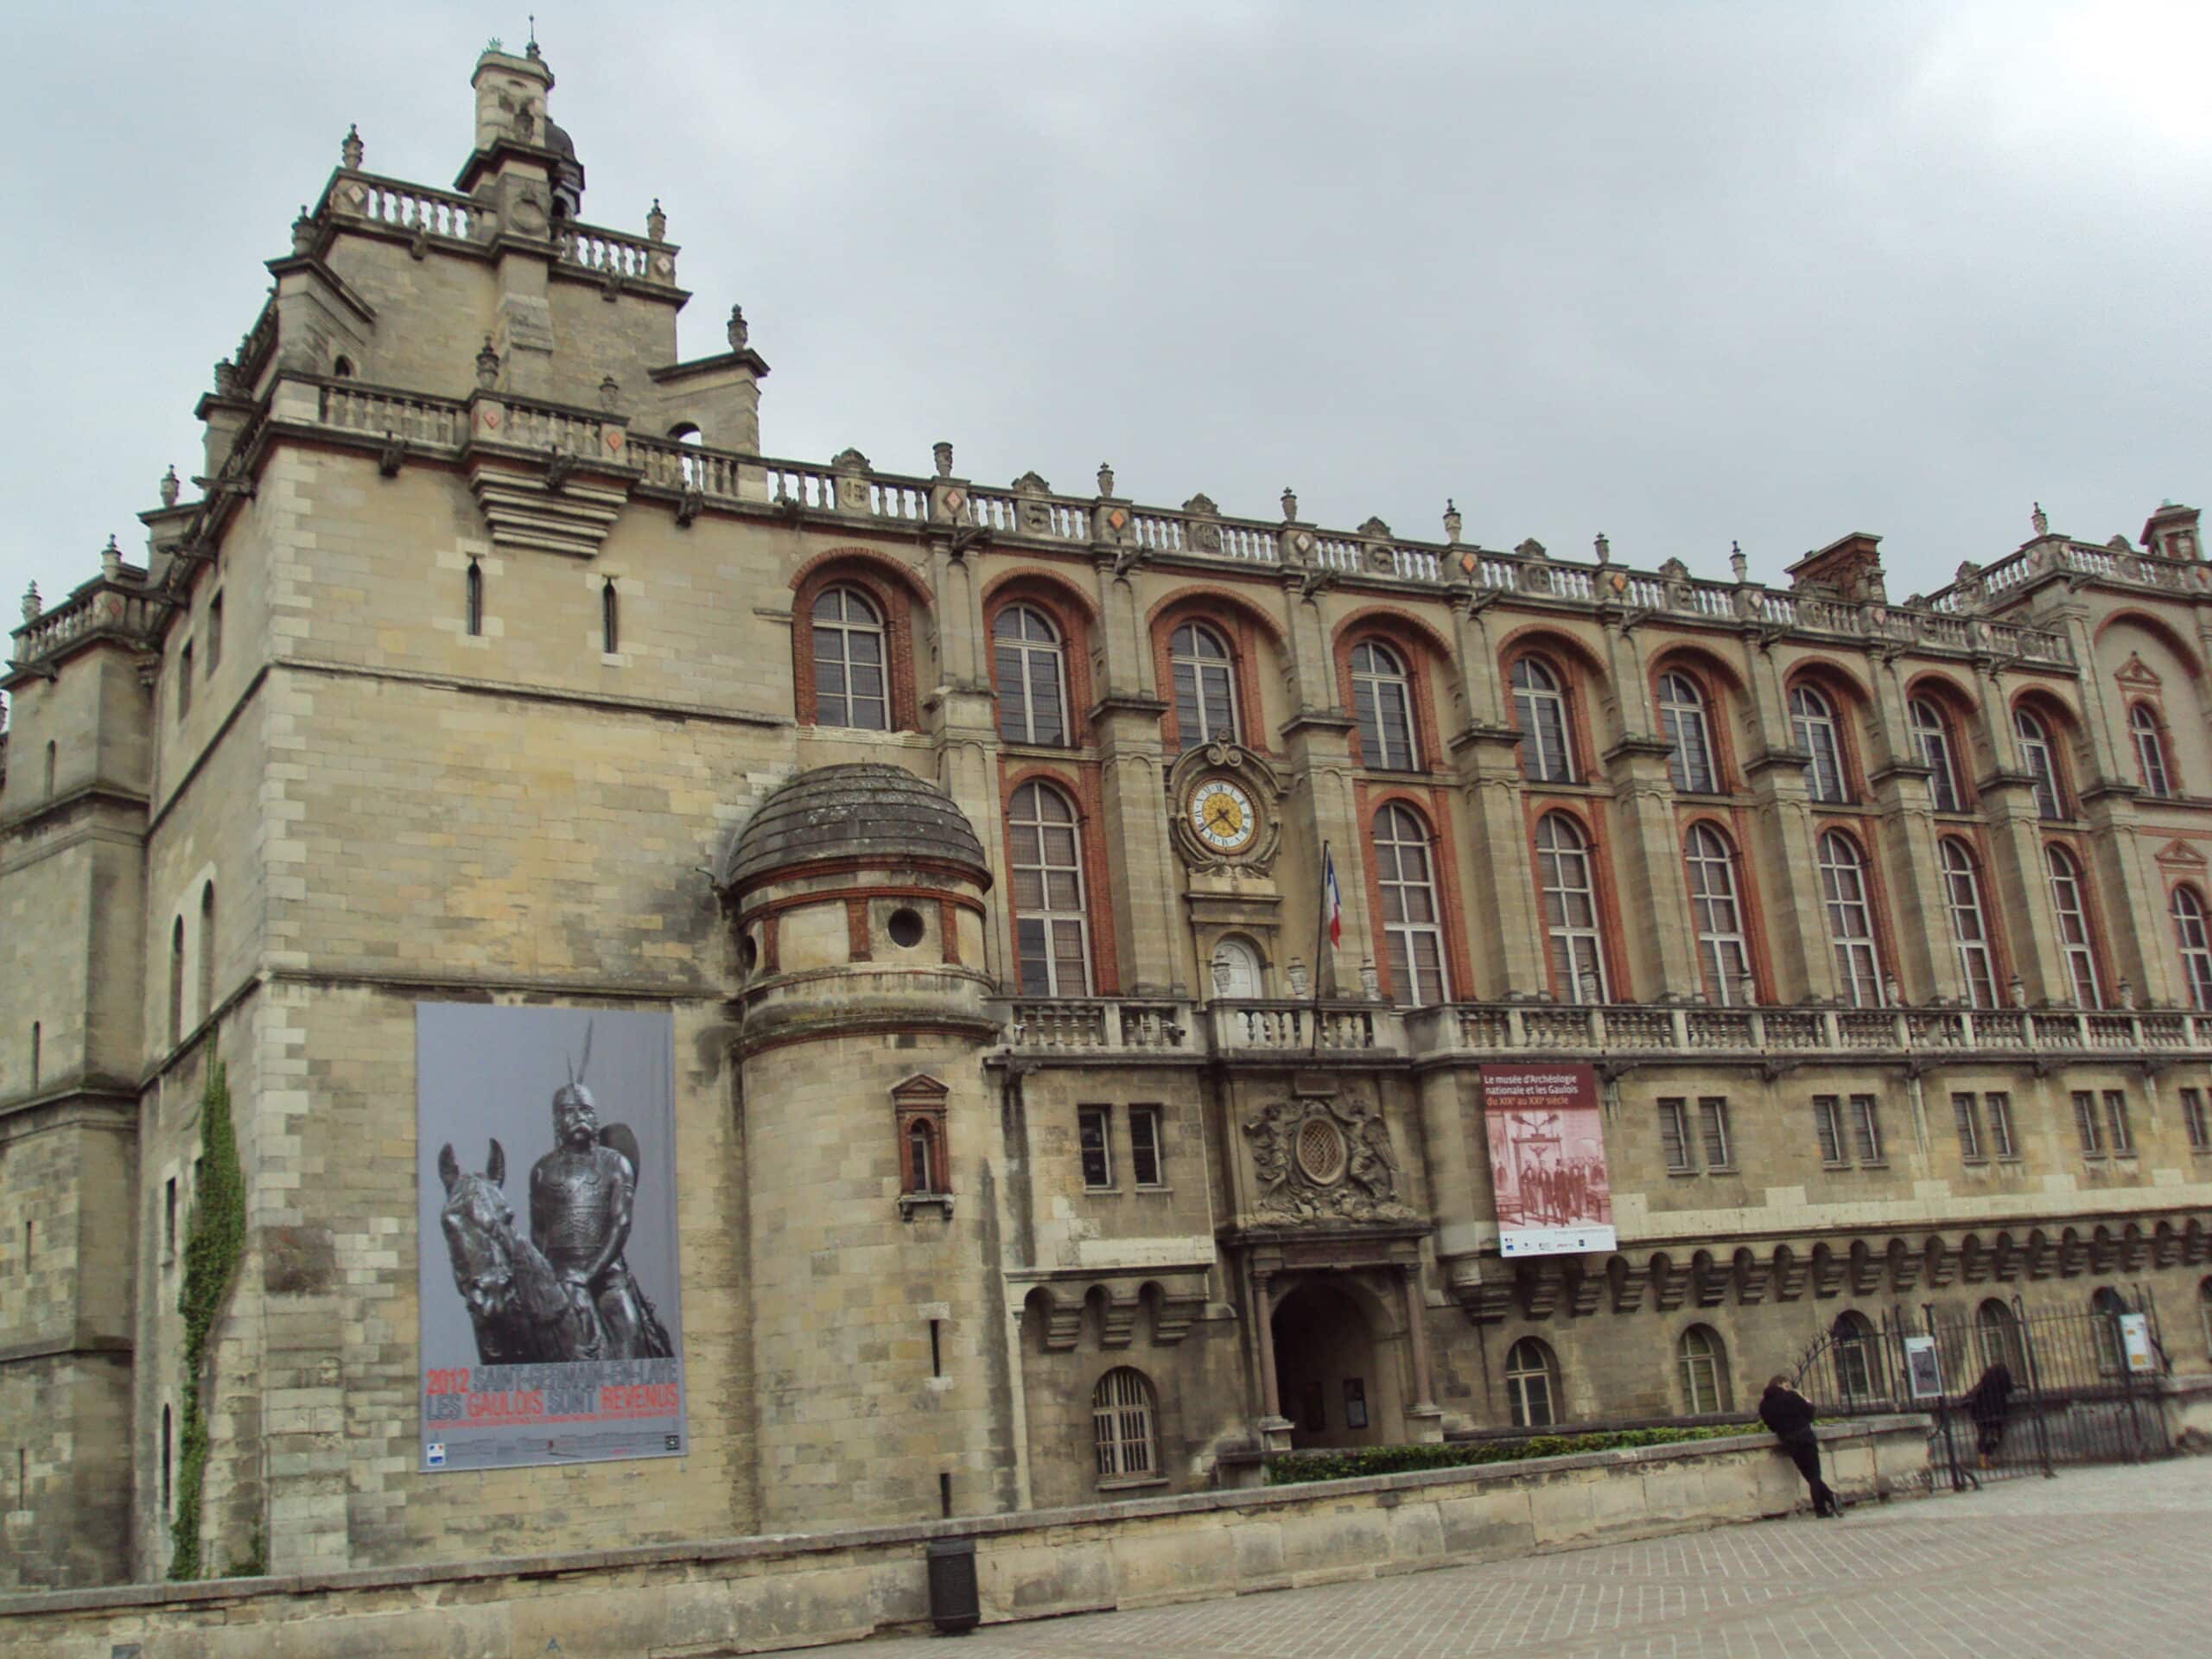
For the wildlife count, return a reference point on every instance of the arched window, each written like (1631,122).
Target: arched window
(342,368)
(1051,933)
(1540,707)
(1813,719)
(2106,1306)
(1032,676)
(473,599)
(1531,1384)
(177,981)
(1850,919)
(2196,947)
(850,685)
(2042,763)
(1997,1334)
(1236,973)
(207,949)
(1382,703)
(1205,686)
(1857,1353)
(2071,906)
(1704,1365)
(1412,929)
(1933,734)
(1969,932)
(2149,749)
(1121,1426)
(1717,914)
(1683,721)
(921,1158)
(610,619)
(1570,909)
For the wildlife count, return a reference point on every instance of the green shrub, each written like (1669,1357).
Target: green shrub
(1296,1468)
(212,1244)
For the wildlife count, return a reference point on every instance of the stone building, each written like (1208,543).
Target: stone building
(1034,1142)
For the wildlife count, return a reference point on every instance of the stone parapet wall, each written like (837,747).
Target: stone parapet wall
(753,1595)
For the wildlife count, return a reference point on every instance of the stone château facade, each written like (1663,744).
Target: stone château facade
(488,658)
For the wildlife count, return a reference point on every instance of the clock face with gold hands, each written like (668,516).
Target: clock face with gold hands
(1222,816)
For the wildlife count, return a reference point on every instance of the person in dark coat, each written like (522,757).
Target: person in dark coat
(1985,1403)
(1790,1414)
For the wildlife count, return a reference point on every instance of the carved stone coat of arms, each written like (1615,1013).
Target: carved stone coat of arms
(1323,1160)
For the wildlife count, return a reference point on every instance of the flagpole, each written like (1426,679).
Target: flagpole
(1320,938)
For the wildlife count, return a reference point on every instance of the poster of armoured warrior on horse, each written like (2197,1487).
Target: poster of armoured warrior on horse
(550,1331)
(1547,1160)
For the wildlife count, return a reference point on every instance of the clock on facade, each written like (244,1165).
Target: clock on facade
(1222,816)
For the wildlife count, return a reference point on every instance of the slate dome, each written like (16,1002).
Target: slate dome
(865,809)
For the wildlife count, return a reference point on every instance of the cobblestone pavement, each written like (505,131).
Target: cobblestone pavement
(2104,1560)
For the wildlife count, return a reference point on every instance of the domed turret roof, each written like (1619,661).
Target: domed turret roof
(866,810)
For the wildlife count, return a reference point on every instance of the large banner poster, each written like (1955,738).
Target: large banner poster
(546,1227)
(1547,1160)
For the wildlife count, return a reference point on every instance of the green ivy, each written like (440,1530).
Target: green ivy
(1295,1468)
(212,1245)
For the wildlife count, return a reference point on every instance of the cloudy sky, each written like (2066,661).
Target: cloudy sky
(1683,273)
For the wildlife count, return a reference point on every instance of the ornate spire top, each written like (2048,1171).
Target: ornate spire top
(110,560)
(941,456)
(1738,562)
(610,389)
(1604,549)
(1105,478)
(2040,519)
(488,365)
(171,488)
(740,330)
(350,149)
(1289,504)
(32,603)
(302,231)
(656,222)
(1452,521)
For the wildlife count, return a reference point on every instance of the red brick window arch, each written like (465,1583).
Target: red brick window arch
(853,647)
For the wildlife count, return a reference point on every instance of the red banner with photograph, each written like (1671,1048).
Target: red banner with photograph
(1547,1160)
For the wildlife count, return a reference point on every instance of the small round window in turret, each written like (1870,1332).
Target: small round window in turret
(748,954)
(1320,1151)
(906,929)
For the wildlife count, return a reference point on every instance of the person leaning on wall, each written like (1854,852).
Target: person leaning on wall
(1790,1414)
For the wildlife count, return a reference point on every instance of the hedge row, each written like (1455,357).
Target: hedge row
(1295,1468)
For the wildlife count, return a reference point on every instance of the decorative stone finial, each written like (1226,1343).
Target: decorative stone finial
(1892,994)
(1531,549)
(1747,990)
(226,377)
(1452,521)
(1289,504)
(1738,562)
(738,332)
(1299,982)
(1603,548)
(351,149)
(488,365)
(32,603)
(2040,519)
(172,486)
(1105,478)
(2018,990)
(110,561)
(941,453)
(302,231)
(1370,982)
(656,222)
(2126,993)
(609,390)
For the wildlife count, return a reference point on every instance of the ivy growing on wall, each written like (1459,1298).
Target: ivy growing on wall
(212,1248)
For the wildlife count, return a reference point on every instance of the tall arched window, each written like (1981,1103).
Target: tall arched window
(1032,676)
(1531,1384)
(1540,707)
(1856,1354)
(1703,1362)
(1716,914)
(1997,1334)
(472,598)
(1850,919)
(610,619)
(1383,705)
(1683,722)
(1412,928)
(207,949)
(1205,686)
(2071,905)
(2149,749)
(921,1158)
(2037,755)
(1932,733)
(1570,908)
(1051,932)
(177,981)
(850,688)
(1121,1426)
(1813,719)
(2190,934)
(1969,930)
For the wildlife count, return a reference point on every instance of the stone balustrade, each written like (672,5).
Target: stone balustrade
(415,210)
(99,606)
(1978,589)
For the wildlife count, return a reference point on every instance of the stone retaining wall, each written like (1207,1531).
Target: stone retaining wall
(706,1600)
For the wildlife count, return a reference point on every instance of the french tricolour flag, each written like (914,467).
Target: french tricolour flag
(1333,902)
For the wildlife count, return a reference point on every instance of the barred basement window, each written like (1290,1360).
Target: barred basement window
(1997,1332)
(1703,1362)
(1827,1125)
(1866,1126)
(1121,1425)
(1529,1384)
(1674,1136)
(1858,1356)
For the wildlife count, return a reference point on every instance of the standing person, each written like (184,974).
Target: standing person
(1985,1403)
(1790,1414)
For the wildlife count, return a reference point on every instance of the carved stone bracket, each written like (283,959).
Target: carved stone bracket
(1120,1322)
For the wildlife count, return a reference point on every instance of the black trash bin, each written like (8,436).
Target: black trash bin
(956,1607)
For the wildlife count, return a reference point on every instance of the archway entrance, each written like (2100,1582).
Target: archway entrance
(1337,1385)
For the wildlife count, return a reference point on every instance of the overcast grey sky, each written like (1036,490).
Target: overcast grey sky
(1681,273)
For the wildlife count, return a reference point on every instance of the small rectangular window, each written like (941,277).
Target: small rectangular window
(2123,1136)
(168,1217)
(1713,1126)
(1144,1145)
(1827,1124)
(1674,1135)
(2085,1123)
(1964,1113)
(2001,1126)
(1867,1129)
(2192,1117)
(184,685)
(1093,1134)
(215,633)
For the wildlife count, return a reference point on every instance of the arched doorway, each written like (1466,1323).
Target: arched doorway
(1337,1382)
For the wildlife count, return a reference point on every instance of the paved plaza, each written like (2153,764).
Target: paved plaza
(2102,1560)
